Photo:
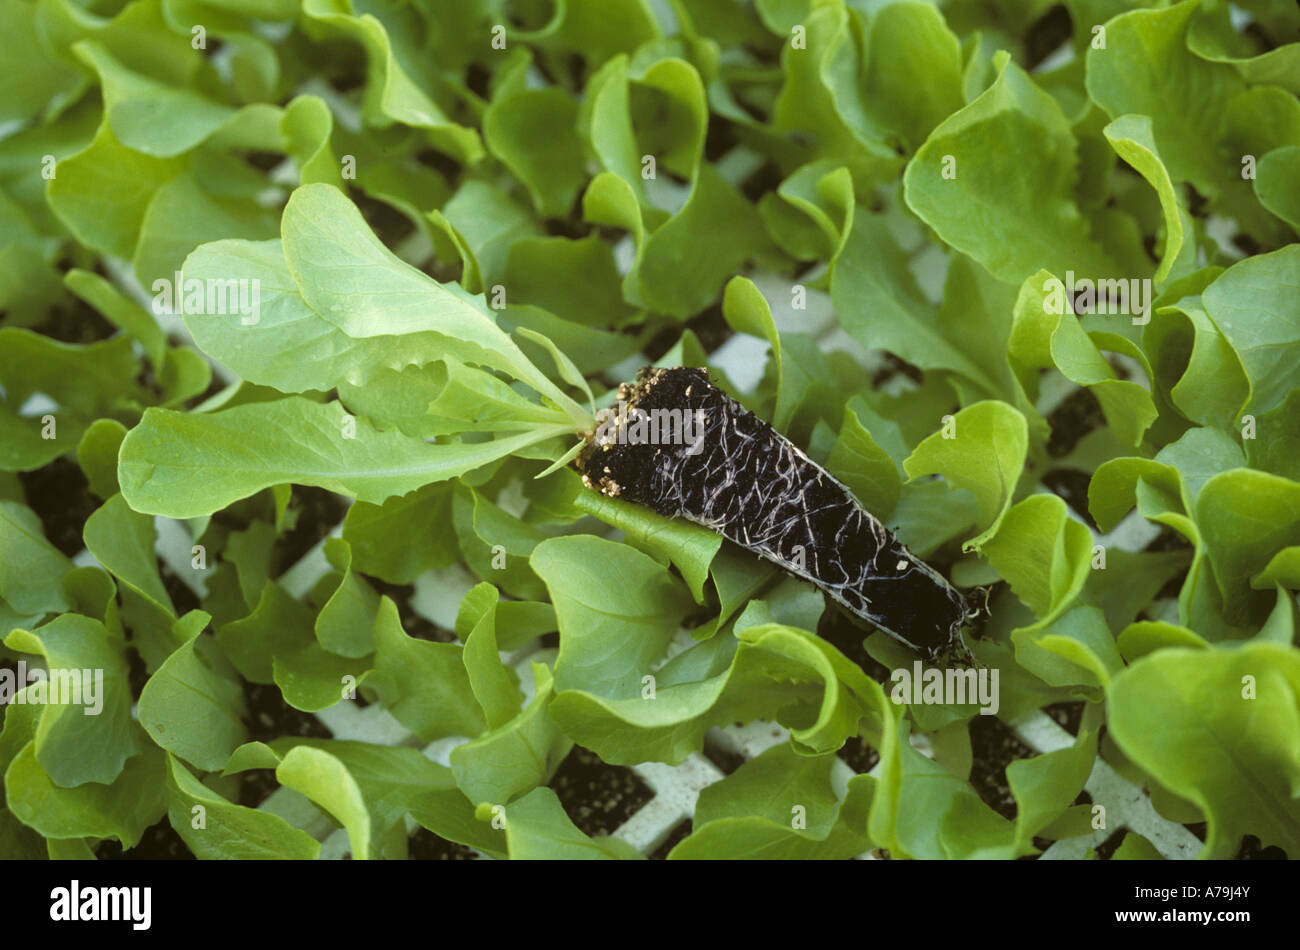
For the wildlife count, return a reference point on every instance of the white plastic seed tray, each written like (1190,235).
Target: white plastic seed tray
(675,788)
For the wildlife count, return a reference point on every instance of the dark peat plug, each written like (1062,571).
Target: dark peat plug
(678,444)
